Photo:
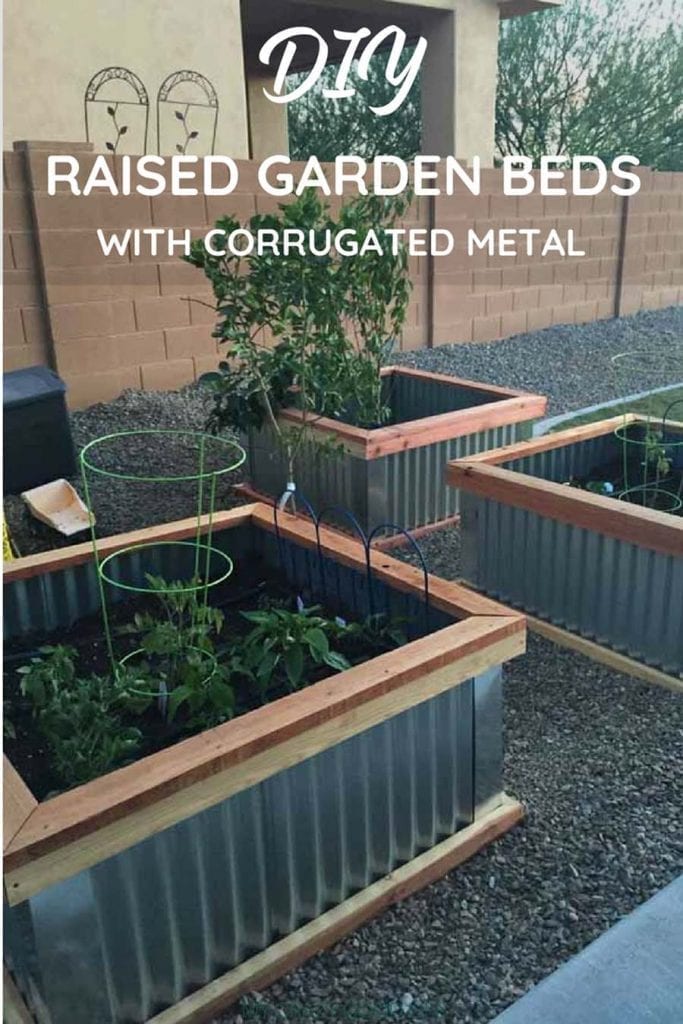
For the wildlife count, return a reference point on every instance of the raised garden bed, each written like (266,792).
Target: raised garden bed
(394,473)
(166,888)
(609,570)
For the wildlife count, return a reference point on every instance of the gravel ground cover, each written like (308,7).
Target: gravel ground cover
(596,758)
(120,505)
(594,754)
(570,363)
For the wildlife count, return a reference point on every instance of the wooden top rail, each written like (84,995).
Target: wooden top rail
(56,839)
(643,527)
(507,406)
(548,442)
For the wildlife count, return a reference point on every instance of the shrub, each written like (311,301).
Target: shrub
(333,320)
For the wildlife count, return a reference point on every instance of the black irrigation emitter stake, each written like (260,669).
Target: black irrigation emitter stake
(339,509)
(418,551)
(366,541)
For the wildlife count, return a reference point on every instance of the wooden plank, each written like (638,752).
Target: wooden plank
(399,540)
(355,440)
(374,444)
(389,543)
(342,548)
(643,527)
(595,651)
(448,425)
(548,442)
(283,956)
(14,1009)
(18,802)
(510,407)
(606,656)
(80,828)
(77,554)
(445,595)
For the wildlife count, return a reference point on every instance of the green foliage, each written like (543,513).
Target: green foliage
(286,646)
(86,720)
(319,126)
(333,320)
(592,78)
(657,458)
(79,717)
(380,632)
(599,78)
(181,668)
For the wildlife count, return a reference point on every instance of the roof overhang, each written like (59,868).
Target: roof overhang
(514,8)
(261,19)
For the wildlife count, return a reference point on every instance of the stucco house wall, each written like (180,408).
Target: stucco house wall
(52,50)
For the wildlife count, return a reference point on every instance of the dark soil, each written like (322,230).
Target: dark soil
(259,588)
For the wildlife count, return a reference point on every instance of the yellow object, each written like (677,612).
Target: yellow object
(7,552)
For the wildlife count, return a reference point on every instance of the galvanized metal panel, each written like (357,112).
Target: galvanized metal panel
(38,605)
(406,488)
(59,599)
(623,596)
(414,397)
(134,934)
(139,931)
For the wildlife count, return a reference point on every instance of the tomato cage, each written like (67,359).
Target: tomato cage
(651,451)
(122,460)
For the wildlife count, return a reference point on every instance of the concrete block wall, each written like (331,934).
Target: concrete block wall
(25,326)
(109,323)
(484,297)
(653,251)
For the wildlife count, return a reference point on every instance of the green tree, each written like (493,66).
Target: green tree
(593,78)
(324,127)
(597,77)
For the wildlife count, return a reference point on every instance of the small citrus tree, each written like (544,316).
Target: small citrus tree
(302,329)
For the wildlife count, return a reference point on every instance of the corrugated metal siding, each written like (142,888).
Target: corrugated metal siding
(135,934)
(622,596)
(571,460)
(412,398)
(139,931)
(59,599)
(407,488)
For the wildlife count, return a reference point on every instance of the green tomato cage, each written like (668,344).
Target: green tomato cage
(206,460)
(645,483)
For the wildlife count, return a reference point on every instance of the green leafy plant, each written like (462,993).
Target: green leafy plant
(306,330)
(381,632)
(78,716)
(657,458)
(180,667)
(287,646)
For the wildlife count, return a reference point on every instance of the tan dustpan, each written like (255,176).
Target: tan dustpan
(58,505)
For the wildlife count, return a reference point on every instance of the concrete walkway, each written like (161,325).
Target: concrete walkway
(633,974)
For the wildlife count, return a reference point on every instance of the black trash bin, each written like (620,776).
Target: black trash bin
(37,444)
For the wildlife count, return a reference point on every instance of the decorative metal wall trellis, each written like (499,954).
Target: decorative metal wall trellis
(94,94)
(183,108)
